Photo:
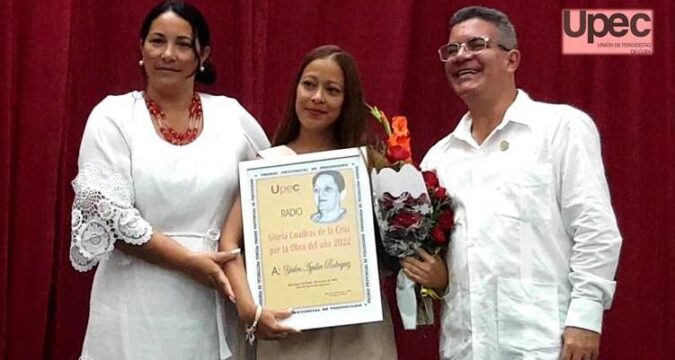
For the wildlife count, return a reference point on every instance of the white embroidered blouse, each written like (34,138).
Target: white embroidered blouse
(130,183)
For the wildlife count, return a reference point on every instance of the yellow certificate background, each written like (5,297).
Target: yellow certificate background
(305,264)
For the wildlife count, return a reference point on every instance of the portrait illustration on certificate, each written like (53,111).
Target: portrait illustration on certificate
(329,191)
(309,237)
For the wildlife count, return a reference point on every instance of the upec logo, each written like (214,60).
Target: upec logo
(607,31)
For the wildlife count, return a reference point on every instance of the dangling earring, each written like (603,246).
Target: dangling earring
(201,68)
(140,62)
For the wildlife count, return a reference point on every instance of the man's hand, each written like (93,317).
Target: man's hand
(580,344)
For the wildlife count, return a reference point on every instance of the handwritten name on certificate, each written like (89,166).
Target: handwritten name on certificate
(309,237)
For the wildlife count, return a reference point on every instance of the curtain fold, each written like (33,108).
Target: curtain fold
(61,57)
(7,63)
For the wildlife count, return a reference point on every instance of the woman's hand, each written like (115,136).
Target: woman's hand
(206,268)
(269,327)
(429,272)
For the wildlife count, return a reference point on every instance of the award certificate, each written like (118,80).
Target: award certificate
(309,237)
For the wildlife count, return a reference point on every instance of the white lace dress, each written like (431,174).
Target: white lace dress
(131,183)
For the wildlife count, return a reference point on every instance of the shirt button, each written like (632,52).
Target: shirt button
(213,235)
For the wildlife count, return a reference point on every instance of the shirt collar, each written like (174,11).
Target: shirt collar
(518,112)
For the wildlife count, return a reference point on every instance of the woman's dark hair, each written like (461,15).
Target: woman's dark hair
(337,178)
(350,127)
(200,30)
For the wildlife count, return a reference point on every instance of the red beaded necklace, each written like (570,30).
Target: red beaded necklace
(169,133)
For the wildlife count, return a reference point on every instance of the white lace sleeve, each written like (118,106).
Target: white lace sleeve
(103,209)
(102,214)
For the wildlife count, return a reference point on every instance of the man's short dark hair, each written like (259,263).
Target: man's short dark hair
(506,30)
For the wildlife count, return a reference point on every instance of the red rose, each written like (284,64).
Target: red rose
(430,179)
(438,235)
(397,153)
(439,192)
(446,220)
(404,220)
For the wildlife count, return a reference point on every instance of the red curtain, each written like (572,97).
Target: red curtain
(60,57)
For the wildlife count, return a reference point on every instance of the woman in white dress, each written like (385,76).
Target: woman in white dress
(157,177)
(327,112)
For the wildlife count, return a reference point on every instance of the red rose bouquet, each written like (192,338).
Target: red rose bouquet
(409,222)
(413,211)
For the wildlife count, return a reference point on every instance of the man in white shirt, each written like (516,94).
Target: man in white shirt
(536,244)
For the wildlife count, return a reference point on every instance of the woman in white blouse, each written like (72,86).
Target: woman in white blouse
(157,176)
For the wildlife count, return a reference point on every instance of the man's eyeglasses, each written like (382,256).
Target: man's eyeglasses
(476,44)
